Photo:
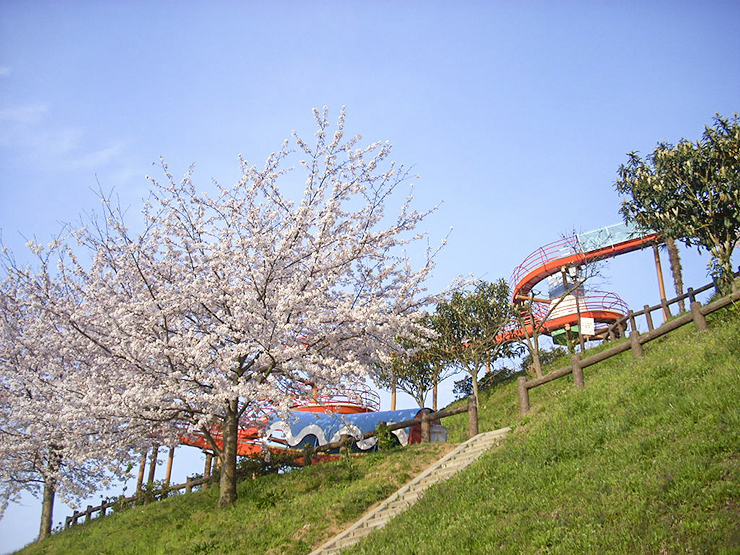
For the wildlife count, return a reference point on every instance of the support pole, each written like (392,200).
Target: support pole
(661,283)
(170,460)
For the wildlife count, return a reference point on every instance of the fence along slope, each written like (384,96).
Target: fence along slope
(636,340)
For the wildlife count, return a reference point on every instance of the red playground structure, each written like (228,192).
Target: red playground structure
(570,308)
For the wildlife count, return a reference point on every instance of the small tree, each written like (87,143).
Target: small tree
(690,192)
(418,368)
(531,314)
(412,374)
(470,324)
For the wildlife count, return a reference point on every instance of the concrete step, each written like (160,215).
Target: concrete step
(406,496)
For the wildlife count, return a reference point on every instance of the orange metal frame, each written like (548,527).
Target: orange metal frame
(548,260)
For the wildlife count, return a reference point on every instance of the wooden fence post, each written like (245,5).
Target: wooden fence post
(189,485)
(633,325)
(88,513)
(426,428)
(649,318)
(635,344)
(666,310)
(699,320)
(577,371)
(208,467)
(523,395)
(308,451)
(346,440)
(472,416)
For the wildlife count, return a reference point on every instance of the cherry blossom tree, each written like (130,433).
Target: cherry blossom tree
(228,299)
(54,439)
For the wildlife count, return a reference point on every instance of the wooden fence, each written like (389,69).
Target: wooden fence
(122,502)
(619,327)
(426,420)
(636,339)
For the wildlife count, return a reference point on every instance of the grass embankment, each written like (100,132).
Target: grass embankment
(275,514)
(645,459)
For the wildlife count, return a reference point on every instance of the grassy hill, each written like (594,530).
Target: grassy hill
(645,459)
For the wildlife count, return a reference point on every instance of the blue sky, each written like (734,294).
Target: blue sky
(516,115)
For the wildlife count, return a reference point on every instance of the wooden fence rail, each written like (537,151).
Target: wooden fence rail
(128,501)
(620,326)
(636,340)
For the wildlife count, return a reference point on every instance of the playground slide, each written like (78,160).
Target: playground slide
(576,250)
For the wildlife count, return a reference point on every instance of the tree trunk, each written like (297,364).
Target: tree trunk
(47,504)
(661,284)
(722,271)
(153,465)
(142,469)
(474,376)
(535,352)
(227,456)
(675,261)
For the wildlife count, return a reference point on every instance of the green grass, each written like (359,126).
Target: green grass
(275,514)
(645,459)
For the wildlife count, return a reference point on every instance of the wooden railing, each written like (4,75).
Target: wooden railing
(122,502)
(636,339)
(619,327)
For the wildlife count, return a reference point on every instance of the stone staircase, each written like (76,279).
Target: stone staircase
(445,467)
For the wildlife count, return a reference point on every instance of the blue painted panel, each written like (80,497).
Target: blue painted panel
(327,428)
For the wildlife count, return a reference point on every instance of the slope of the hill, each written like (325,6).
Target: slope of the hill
(275,514)
(645,459)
